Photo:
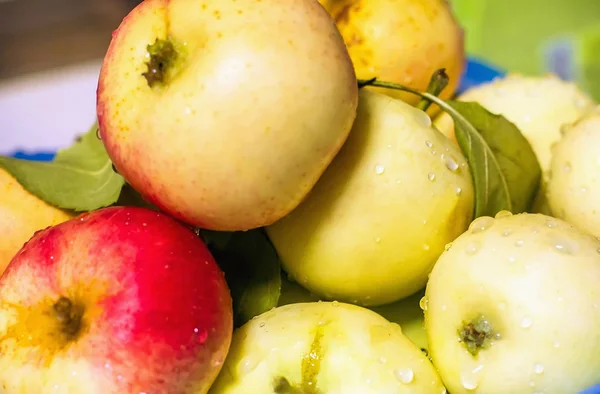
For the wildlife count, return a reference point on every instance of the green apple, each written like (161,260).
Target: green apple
(574,179)
(324,347)
(406,313)
(513,306)
(402,41)
(379,217)
(21,215)
(225,113)
(538,105)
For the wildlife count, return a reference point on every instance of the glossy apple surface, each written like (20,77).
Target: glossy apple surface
(513,306)
(120,300)
(324,347)
(225,113)
(377,220)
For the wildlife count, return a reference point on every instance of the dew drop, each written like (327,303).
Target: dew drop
(187,110)
(389,146)
(262,324)
(470,379)
(247,365)
(426,247)
(450,163)
(382,360)
(565,246)
(431,176)
(556,344)
(551,223)
(538,369)
(458,191)
(471,248)
(423,303)
(507,232)
(448,246)
(481,224)
(404,375)
(526,322)
(583,189)
(335,304)
(379,169)
(519,243)
(429,144)
(503,214)
(377,240)
(566,167)
(511,259)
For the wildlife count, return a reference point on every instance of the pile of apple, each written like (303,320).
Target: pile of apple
(456,255)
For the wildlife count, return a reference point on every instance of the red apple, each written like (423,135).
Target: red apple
(120,300)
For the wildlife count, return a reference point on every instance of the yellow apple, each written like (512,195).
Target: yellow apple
(538,105)
(379,217)
(401,41)
(324,347)
(406,313)
(574,179)
(513,306)
(21,215)
(225,113)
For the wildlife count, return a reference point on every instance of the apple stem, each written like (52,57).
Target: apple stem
(438,82)
(162,53)
(68,315)
(477,335)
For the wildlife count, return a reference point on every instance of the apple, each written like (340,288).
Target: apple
(379,217)
(406,313)
(513,306)
(324,347)
(120,300)
(402,41)
(225,114)
(538,105)
(21,215)
(574,178)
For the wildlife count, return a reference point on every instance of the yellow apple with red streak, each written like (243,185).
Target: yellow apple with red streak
(225,114)
(122,300)
(21,215)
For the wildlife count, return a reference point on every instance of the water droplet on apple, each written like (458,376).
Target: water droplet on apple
(202,335)
(526,322)
(377,240)
(382,360)
(335,304)
(503,214)
(423,303)
(598,250)
(262,324)
(458,191)
(450,163)
(423,118)
(519,243)
(426,247)
(531,383)
(506,233)
(404,375)
(107,365)
(431,176)
(429,144)
(448,246)
(481,224)
(444,307)
(538,369)
(379,169)
(566,167)
(187,110)
(512,259)
(583,189)
(470,379)
(551,223)
(471,248)
(556,344)
(566,246)
(247,365)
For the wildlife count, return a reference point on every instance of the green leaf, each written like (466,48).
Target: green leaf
(80,178)
(252,270)
(505,170)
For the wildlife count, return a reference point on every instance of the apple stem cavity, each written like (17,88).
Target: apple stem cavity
(283,386)
(477,334)
(162,55)
(69,316)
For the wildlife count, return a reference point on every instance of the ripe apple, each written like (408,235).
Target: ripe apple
(401,41)
(538,105)
(225,114)
(21,215)
(121,300)
(324,347)
(513,306)
(574,178)
(377,220)
(406,313)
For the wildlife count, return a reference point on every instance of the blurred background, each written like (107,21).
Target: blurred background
(50,54)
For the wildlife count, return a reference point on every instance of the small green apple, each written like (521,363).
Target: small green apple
(513,306)
(224,114)
(574,179)
(379,217)
(324,347)
(406,313)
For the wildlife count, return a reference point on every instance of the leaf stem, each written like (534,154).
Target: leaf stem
(438,82)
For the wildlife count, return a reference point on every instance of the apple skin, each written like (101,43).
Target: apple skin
(401,41)
(535,279)
(257,102)
(407,312)
(21,215)
(538,105)
(157,313)
(379,217)
(325,347)
(574,179)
